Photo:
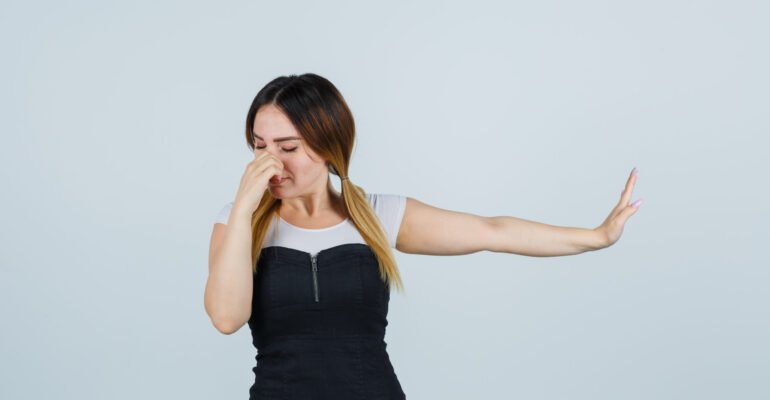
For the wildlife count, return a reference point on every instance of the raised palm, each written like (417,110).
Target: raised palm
(612,227)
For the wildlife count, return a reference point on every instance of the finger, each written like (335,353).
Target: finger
(256,158)
(265,170)
(618,223)
(277,161)
(254,163)
(629,211)
(280,163)
(628,189)
(273,165)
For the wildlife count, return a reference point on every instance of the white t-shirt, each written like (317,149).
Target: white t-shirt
(388,207)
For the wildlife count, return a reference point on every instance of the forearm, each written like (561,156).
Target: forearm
(531,238)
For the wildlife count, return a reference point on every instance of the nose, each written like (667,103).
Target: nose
(275,151)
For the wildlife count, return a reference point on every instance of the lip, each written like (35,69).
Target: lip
(279,183)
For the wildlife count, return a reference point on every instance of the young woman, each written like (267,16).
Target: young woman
(310,269)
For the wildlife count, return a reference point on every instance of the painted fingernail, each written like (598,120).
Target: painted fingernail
(637,203)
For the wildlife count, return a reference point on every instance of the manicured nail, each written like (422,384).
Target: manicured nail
(637,203)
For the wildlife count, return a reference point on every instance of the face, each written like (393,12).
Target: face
(304,172)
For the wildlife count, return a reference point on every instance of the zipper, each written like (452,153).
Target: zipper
(315,277)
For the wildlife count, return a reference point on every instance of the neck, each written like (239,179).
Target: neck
(315,204)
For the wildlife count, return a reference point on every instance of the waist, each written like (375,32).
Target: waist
(308,343)
(311,324)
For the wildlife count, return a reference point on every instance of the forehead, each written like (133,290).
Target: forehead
(271,123)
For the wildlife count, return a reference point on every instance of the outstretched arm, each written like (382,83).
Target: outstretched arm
(434,231)
(542,240)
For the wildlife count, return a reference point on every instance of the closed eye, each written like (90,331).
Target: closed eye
(286,150)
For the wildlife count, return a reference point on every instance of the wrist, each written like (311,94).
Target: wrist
(240,212)
(601,240)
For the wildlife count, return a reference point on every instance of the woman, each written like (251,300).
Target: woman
(310,269)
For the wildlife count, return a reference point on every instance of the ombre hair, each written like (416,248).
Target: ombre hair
(321,116)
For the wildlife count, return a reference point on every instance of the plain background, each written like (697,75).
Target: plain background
(122,128)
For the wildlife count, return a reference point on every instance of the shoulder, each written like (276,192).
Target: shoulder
(389,208)
(386,201)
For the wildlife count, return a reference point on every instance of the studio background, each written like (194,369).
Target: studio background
(122,137)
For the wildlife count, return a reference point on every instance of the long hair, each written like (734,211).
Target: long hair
(321,116)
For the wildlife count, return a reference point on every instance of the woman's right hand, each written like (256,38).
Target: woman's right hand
(255,178)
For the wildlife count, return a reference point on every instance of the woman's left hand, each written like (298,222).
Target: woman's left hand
(612,227)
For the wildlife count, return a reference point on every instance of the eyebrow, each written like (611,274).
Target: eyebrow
(281,139)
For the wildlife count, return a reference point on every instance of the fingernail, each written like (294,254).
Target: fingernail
(633,171)
(637,203)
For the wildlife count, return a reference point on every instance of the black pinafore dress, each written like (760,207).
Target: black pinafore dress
(318,324)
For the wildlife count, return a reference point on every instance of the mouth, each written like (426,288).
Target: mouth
(278,181)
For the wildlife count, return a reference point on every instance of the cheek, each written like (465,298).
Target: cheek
(293,169)
(299,166)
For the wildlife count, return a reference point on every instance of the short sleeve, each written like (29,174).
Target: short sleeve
(224,214)
(390,209)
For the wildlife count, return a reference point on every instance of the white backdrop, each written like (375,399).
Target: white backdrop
(122,137)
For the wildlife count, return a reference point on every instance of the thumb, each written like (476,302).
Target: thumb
(630,210)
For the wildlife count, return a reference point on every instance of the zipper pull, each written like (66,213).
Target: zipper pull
(315,277)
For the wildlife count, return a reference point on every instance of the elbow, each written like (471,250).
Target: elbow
(227,326)
(225,323)
(224,320)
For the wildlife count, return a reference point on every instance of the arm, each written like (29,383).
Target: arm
(434,231)
(530,238)
(227,298)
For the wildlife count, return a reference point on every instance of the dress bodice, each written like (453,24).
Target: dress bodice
(318,323)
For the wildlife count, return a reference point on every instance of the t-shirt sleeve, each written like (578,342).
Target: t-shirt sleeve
(390,209)
(224,213)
